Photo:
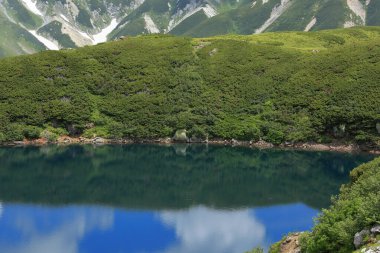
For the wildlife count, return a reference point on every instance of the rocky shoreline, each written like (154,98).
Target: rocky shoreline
(311,146)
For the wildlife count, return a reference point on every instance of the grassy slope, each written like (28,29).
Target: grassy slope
(279,87)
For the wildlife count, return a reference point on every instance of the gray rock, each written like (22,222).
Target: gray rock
(234,142)
(98,140)
(180,136)
(195,139)
(359,237)
(18,143)
(339,130)
(375,230)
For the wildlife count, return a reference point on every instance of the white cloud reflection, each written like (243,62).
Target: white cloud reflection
(64,238)
(1,209)
(202,229)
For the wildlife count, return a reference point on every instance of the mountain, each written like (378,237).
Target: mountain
(279,87)
(33,25)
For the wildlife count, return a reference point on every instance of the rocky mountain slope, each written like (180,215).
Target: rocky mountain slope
(28,26)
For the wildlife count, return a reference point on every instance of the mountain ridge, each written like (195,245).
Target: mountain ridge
(76,23)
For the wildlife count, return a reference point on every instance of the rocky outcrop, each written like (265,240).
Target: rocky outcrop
(375,230)
(359,238)
(367,237)
(261,144)
(291,244)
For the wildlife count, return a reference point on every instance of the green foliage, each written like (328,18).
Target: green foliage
(356,208)
(13,132)
(276,247)
(31,132)
(256,250)
(276,87)
(51,134)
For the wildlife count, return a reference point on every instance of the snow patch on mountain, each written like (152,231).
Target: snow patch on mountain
(150,26)
(367,2)
(48,43)
(102,35)
(189,10)
(253,4)
(277,11)
(358,8)
(64,17)
(32,6)
(265,1)
(209,11)
(311,24)
(349,24)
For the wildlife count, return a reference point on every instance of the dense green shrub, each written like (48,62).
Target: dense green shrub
(241,87)
(356,208)
(31,132)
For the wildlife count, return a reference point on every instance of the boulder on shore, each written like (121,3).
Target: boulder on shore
(180,136)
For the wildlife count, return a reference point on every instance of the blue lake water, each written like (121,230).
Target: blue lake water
(150,198)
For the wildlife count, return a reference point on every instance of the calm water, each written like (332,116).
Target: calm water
(149,198)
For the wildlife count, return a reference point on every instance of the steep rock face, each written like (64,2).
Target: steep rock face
(56,24)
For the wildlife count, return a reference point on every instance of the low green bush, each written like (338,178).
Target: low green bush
(356,208)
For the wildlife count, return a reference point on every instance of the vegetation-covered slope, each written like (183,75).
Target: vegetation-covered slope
(278,87)
(356,208)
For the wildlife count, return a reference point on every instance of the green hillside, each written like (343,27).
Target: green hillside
(279,87)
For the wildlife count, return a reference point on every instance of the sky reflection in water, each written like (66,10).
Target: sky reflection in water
(77,229)
(161,199)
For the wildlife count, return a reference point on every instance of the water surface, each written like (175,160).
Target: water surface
(150,198)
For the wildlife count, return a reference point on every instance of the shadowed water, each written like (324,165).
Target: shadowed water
(150,198)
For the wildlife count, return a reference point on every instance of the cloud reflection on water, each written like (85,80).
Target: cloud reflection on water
(202,229)
(77,229)
(63,237)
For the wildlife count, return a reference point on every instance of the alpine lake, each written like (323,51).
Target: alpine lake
(161,198)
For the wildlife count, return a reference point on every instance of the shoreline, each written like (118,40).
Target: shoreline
(308,146)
